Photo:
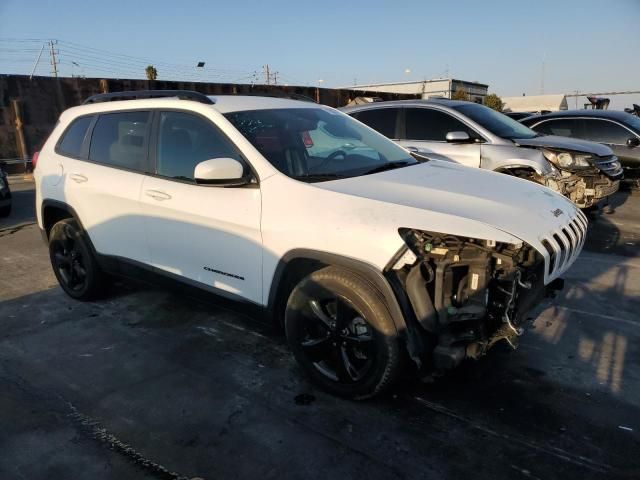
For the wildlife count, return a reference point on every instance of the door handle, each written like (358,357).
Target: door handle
(412,149)
(78,178)
(157,194)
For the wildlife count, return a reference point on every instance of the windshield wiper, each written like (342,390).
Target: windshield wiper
(318,177)
(389,166)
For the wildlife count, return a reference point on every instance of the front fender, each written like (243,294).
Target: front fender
(498,158)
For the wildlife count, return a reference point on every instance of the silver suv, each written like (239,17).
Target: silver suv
(476,136)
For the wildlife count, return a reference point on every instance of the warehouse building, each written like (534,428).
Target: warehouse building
(443,87)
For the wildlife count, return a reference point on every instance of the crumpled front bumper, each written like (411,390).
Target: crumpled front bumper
(584,190)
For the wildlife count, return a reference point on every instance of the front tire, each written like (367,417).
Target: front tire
(342,334)
(74,265)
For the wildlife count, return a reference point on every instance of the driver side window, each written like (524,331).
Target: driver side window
(432,125)
(184,140)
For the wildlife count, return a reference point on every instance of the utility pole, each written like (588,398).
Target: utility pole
(270,78)
(54,61)
(37,61)
(267,75)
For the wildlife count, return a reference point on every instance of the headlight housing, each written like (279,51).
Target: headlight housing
(568,160)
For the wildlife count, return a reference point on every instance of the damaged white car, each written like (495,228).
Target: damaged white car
(476,136)
(364,254)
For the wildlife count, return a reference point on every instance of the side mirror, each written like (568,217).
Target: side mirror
(223,172)
(633,142)
(458,137)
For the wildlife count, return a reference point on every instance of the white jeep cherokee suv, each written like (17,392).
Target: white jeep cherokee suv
(365,254)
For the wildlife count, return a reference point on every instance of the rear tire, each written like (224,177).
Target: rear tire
(342,334)
(74,265)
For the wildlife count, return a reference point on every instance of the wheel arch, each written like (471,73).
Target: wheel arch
(298,263)
(52,211)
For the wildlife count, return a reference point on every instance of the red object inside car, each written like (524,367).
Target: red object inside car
(34,160)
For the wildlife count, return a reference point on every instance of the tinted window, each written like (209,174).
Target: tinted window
(565,127)
(606,132)
(429,124)
(382,120)
(120,139)
(185,140)
(73,138)
(496,122)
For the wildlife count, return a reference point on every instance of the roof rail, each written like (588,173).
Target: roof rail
(279,94)
(142,94)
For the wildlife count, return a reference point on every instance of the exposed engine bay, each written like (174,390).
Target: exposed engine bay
(584,190)
(467,294)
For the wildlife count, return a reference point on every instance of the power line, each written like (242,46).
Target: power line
(65,56)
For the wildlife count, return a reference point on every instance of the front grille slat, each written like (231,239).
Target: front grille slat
(564,245)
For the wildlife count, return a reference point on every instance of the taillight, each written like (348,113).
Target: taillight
(34,160)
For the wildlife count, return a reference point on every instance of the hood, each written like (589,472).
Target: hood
(565,143)
(521,208)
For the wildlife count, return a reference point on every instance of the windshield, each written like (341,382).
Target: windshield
(314,144)
(495,122)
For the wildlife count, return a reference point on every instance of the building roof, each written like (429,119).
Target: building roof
(535,103)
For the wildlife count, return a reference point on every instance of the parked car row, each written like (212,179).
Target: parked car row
(367,256)
(619,131)
(477,136)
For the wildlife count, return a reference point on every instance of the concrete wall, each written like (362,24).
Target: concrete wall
(40,101)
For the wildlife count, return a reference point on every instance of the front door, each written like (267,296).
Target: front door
(426,130)
(614,136)
(208,234)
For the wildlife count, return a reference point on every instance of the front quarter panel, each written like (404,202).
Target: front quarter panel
(501,157)
(297,215)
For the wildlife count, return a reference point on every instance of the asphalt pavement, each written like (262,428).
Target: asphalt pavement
(148,383)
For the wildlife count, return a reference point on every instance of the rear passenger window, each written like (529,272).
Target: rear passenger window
(120,140)
(184,140)
(382,120)
(73,139)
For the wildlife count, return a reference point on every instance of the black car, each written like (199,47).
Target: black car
(618,130)
(519,115)
(5,194)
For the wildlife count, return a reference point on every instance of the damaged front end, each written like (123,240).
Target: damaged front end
(465,294)
(585,179)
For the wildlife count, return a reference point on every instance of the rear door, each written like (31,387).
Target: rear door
(103,183)
(425,131)
(205,233)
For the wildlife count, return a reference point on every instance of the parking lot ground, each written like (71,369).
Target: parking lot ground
(148,383)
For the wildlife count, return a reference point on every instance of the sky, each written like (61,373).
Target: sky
(585,45)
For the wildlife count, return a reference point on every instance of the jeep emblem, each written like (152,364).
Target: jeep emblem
(557,212)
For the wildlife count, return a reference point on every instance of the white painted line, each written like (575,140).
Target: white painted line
(598,315)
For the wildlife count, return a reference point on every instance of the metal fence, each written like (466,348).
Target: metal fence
(16,165)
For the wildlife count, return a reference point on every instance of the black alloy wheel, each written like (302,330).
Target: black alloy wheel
(341,333)
(73,264)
